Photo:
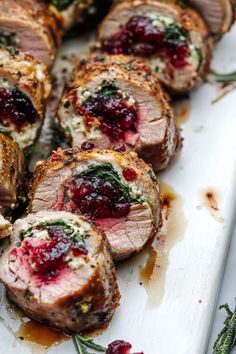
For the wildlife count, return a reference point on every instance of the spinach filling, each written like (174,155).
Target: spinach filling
(69,230)
(7,40)
(106,172)
(62,4)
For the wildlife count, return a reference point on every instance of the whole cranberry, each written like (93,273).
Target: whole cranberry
(119,347)
(129,174)
(120,148)
(87,145)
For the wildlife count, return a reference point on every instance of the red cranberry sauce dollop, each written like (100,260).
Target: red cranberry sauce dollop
(119,347)
(115,115)
(16,108)
(47,257)
(140,37)
(97,198)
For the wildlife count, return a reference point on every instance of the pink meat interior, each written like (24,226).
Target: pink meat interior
(16,109)
(45,260)
(140,37)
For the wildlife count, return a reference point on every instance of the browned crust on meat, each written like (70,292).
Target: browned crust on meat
(11,167)
(29,75)
(100,293)
(136,73)
(187,17)
(68,158)
(37,16)
(227,7)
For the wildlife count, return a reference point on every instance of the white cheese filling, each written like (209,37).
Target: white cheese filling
(162,22)
(74,262)
(75,124)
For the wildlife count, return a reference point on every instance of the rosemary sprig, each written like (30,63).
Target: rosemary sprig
(82,343)
(225,78)
(226,340)
(227,81)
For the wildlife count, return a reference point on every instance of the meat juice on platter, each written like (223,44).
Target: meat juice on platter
(41,334)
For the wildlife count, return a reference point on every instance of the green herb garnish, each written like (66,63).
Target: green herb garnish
(12,51)
(227,338)
(7,40)
(225,78)
(176,35)
(62,4)
(68,229)
(110,90)
(107,172)
(82,343)
(228,82)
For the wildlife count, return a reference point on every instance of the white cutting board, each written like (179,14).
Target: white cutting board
(174,315)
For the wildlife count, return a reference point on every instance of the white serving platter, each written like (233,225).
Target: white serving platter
(172,313)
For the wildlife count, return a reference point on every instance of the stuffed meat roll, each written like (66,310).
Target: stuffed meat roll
(32,26)
(218,14)
(115,100)
(59,270)
(117,191)
(173,39)
(24,87)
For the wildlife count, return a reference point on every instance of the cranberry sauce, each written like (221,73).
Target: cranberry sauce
(120,347)
(140,37)
(97,198)
(115,114)
(48,257)
(15,109)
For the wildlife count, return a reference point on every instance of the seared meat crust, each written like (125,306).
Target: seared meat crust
(11,171)
(158,137)
(178,80)
(126,234)
(81,298)
(34,25)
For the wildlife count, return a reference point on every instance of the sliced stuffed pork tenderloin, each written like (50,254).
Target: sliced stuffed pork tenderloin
(218,14)
(116,100)
(11,173)
(173,39)
(117,191)
(32,26)
(59,270)
(24,87)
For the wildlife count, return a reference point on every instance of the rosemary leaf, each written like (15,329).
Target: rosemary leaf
(225,78)
(78,346)
(82,343)
(88,341)
(227,338)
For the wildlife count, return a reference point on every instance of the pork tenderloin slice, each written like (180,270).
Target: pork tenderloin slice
(165,16)
(155,126)
(11,171)
(218,14)
(32,26)
(82,294)
(22,78)
(127,232)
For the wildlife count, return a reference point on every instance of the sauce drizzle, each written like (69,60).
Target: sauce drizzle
(39,333)
(152,273)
